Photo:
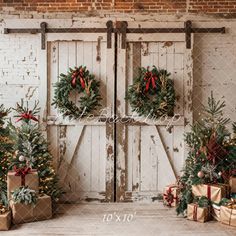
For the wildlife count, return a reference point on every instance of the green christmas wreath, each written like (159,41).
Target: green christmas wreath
(152,93)
(81,81)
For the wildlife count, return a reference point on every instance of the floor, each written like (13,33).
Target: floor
(119,219)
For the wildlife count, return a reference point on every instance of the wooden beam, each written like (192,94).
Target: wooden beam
(71,147)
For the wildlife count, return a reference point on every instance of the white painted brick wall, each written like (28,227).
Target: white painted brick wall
(18,68)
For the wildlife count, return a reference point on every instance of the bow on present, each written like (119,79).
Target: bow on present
(22,172)
(150,78)
(3,209)
(169,196)
(78,74)
(231,203)
(28,116)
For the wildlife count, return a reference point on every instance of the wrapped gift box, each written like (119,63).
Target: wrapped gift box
(170,195)
(216,212)
(22,213)
(232,183)
(228,215)
(13,182)
(214,192)
(196,213)
(5,220)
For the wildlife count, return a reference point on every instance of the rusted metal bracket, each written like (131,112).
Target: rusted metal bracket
(121,28)
(43,26)
(109,32)
(188,26)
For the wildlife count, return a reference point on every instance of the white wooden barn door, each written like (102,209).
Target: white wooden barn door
(150,156)
(83,149)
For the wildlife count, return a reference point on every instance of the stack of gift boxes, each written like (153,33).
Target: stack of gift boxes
(222,199)
(20,212)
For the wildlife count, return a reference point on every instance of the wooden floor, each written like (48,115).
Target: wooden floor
(149,219)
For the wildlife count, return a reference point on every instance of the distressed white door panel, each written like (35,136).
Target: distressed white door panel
(152,156)
(83,149)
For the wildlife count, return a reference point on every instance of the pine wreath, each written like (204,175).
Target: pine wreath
(81,81)
(152,93)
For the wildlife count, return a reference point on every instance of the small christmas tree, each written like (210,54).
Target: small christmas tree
(5,153)
(211,157)
(32,150)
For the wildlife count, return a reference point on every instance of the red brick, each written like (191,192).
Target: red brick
(161,6)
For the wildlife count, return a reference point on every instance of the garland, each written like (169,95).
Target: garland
(81,81)
(152,93)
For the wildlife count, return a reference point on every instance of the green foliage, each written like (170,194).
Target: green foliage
(24,195)
(202,201)
(152,94)
(5,152)
(224,202)
(89,98)
(30,143)
(209,158)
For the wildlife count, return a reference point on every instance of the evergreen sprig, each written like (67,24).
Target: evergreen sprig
(24,195)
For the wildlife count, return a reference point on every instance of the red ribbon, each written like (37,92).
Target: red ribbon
(169,196)
(27,116)
(209,192)
(22,172)
(79,73)
(150,78)
(195,212)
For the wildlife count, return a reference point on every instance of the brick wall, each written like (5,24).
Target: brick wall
(158,6)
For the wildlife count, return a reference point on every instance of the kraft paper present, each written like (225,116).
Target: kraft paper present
(5,221)
(170,195)
(216,212)
(215,192)
(196,213)
(22,213)
(228,215)
(14,182)
(232,183)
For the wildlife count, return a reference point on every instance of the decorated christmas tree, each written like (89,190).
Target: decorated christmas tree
(5,153)
(31,150)
(212,152)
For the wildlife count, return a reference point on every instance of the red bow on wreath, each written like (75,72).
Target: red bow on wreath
(78,73)
(22,172)
(169,197)
(150,78)
(28,116)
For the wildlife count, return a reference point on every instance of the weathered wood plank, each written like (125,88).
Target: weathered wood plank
(136,158)
(102,159)
(165,166)
(95,159)
(158,37)
(188,90)
(72,143)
